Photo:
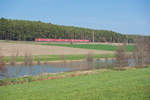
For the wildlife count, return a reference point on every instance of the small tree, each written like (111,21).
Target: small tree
(147,52)
(90,59)
(3,69)
(121,57)
(28,58)
(141,53)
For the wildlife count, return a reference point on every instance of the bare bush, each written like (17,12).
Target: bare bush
(147,52)
(139,51)
(121,57)
(3,68)
(38,61)
(106,64)
(141,54)
(28,59)
(13,58)
(90,57)
(63,58)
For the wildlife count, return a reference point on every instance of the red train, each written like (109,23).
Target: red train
(59,40)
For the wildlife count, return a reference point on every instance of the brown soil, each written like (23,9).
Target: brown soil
(8,49)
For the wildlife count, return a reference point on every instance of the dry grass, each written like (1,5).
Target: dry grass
(11,48)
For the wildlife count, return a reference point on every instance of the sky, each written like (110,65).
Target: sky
(123,16)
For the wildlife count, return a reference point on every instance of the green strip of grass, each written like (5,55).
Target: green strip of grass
(59,57)
(109,85)
(93,46)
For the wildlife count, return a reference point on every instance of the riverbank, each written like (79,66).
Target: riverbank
(49,76)
(131,84)
(44,59)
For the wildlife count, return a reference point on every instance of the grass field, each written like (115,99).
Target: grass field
(108,85)
(58,57)
(93,46)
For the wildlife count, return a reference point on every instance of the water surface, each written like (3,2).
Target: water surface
(56,67)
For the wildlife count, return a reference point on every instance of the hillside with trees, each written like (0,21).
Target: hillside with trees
(23,30)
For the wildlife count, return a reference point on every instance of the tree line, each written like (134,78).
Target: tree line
(23,30)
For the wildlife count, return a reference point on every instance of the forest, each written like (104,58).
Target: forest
(24,30)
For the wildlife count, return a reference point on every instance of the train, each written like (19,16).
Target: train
(59,40)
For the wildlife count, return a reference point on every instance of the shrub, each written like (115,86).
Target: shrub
(121,57)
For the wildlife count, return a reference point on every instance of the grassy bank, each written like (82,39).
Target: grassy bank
(58,57)
(93,46)
(105,85)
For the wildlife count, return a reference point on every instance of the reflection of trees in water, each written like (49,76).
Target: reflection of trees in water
(3,68)
(44,67)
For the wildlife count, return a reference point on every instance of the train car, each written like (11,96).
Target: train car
(59,40)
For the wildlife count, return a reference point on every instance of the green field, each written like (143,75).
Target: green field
(108,85)
(93,46)
(59,57)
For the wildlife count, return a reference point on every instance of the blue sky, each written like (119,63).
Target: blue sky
(124,16)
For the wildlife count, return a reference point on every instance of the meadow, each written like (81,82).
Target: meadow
(105,47)
(104,85)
